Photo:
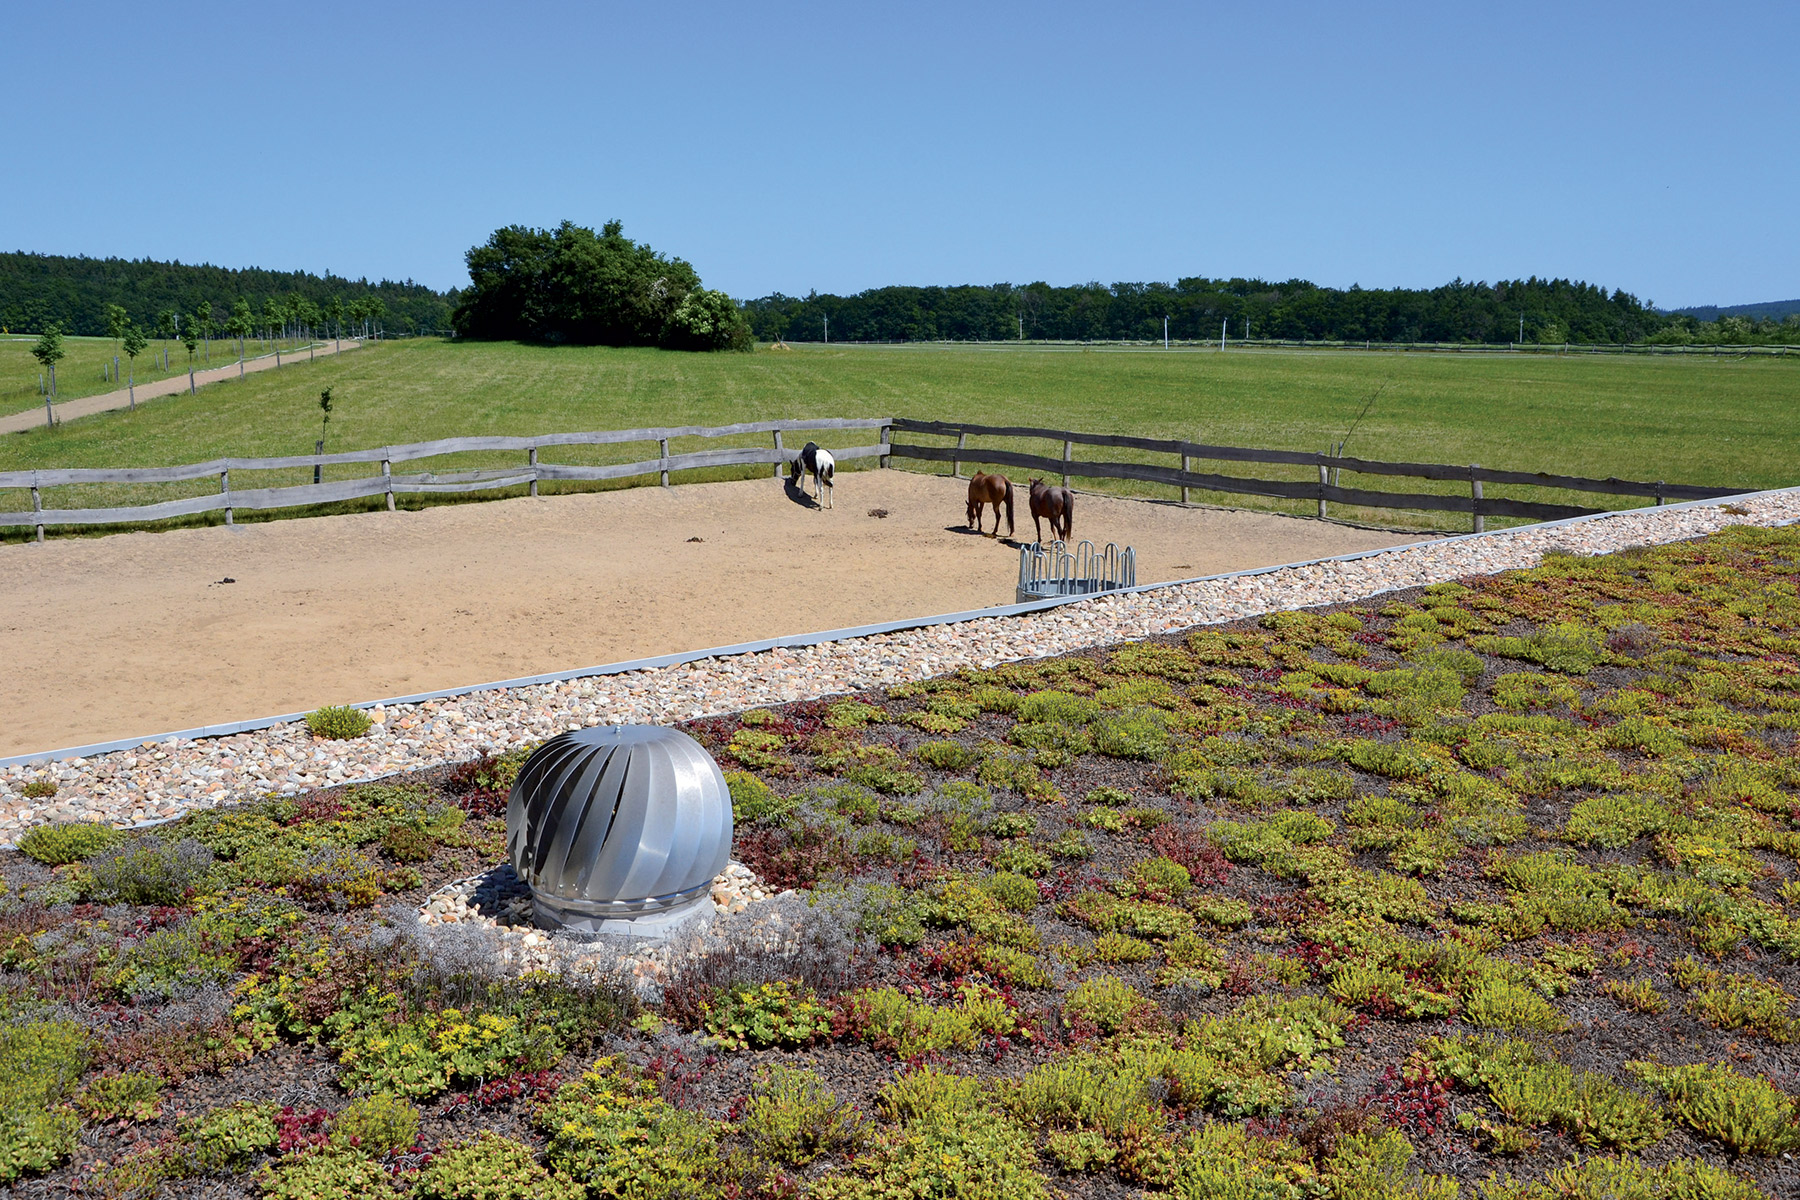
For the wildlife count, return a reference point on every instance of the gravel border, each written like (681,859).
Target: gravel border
(158,781)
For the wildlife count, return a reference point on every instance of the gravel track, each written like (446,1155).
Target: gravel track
(164,780)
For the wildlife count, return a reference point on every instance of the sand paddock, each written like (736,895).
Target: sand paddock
(135,634)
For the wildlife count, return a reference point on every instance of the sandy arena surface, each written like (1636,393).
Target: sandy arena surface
(136,634)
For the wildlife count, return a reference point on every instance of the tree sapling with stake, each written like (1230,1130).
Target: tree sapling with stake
(49,351)
(203,314)
(325,407)
(134,345)
(190,337)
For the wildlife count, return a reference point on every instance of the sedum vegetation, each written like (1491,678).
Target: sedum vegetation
(1489,890)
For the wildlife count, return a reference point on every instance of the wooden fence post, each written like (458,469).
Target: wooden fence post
(319,468)
(1660,501)
(225,491)
(1187,468)
(532,457)
(662,449)
(1068,456)
(776,467)
(962,439)
(887,439)
(37,510)
(1324,482)
(1480,523)
(387,478)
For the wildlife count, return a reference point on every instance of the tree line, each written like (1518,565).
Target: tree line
(1543,311)
(75,294)
(571,284)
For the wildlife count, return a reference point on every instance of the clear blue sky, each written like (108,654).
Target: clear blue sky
(784,147)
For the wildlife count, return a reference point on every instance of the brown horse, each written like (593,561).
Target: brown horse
(994,490)
(1055,503)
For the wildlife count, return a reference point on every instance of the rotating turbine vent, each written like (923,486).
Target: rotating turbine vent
(619,829)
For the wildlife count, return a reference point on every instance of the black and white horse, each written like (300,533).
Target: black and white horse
(817,462)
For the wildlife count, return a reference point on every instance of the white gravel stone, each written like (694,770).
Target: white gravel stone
(499,901)
(174,776)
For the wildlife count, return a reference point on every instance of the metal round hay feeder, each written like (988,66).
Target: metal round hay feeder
(619,829)
(1047,571)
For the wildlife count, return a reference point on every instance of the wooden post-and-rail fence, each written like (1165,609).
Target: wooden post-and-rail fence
(389,484)
(1182,477)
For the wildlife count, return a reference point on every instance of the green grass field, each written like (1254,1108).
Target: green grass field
(82,371)
(1705,421)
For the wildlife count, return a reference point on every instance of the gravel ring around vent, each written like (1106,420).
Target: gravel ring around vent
(497,902)
(163,780)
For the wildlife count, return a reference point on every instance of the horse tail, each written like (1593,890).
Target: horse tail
(1009,510)
(1068,514)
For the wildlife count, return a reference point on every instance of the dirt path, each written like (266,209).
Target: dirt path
(87,406)
(136,633)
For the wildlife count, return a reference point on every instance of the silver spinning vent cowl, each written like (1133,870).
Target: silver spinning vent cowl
(619,829)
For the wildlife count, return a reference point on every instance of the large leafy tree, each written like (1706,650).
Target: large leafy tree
(706,320)
(570,284)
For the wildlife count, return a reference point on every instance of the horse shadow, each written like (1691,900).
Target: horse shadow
(796,491)
(1008,541)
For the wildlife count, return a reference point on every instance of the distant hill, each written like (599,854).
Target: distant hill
(38,289)
(1774,310)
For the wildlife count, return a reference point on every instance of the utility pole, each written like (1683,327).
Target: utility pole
(1222,325)
(1165,331)
(1521,328)
(1021,327)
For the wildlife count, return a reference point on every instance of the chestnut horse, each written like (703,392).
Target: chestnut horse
(1055,503)
(990,489)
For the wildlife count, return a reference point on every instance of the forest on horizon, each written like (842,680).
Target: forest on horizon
(73,292)
(37,290)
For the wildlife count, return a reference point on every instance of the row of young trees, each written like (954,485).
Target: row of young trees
(278,319)
(1545,311)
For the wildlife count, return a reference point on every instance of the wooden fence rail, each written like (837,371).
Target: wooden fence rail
(1324,490)
(389,484)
